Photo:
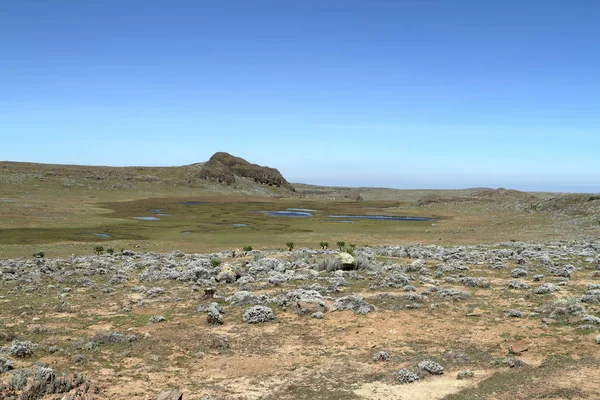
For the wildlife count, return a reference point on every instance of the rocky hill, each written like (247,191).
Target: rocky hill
(223,173)
(224,168)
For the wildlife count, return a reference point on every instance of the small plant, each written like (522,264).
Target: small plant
(341,245)
(215,262)
(110,250)
(99,250)
(349,250)
(39,254)
(324,245)
(247,248)
(290,246)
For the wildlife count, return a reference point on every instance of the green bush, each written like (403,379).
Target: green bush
(341,245)
(324,245)
(110,250)
(39,254)
(99,249)
(247,248)
(290,246)
(349,250)
(215,262)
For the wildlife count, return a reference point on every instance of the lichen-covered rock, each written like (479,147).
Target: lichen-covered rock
(431,367)
(474,282)
(258,314)
(5,365)
(403,376)
(453,294)
(591,319)
(346,260)
(245,298)
(395,279)
(19,349)
(515,313)
(518,285)
(382,356)
(227,274)
(112,338)
(156,319)
(519,273)
(546,288)
(214,314)
(514,362)
(155,292)
(356,304)
(277,278)
(465,374)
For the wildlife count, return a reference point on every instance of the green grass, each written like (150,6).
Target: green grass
(57,209)
(203,227)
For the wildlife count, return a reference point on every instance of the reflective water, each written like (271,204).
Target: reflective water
(383,217)
(293,214)
(102,235)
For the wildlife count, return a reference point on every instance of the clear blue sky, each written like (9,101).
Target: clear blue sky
(396,93)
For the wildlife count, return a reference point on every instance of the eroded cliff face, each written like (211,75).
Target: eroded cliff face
(223,167)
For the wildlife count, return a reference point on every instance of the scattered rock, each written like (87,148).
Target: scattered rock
(308,308)
(465,374)
(346,260)
(356,304)
(258,314)
(382,356)
(431,367)
(214,314)
(403,376)
(546,288)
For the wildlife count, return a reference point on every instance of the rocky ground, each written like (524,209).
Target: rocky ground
(505,321)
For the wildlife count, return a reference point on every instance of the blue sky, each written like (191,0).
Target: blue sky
(394,93)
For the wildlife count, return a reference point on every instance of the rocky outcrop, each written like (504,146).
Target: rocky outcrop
(223,168)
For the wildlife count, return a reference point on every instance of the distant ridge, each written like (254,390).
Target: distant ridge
(223,168)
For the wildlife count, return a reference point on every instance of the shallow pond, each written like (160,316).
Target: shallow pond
(383,217)
(102,235)
(147,218)
(239,225)
(292,214)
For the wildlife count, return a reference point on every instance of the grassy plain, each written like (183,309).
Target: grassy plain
(59,209)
